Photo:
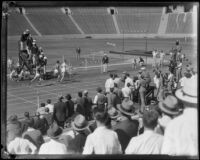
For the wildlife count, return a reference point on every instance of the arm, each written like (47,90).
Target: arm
(88,148)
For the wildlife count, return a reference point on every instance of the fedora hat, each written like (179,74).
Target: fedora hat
(126,108)
(113,113)
(188,93)
(54,131)
(79,123)
(169,105)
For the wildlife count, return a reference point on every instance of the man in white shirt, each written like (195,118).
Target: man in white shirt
(126,91)
(109,83)
(186,75)
(103,140)
(128,80)
(50,106)
(21,146)
(149,142)
(181,135)
(53,146)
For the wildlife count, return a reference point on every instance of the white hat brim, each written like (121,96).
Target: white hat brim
(179,94)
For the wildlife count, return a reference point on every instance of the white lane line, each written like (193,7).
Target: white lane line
(22,99)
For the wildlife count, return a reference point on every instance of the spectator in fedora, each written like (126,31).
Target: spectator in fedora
(75,138)
(49,105)
(100,98)
(111,98)
(33,135)
(126,128)
(149,142)
(114,115)
(88,105)
(53,146)
(14,128)
(103,140)
(169,108)
(180,136)
(25,123)
(60,112)
(41,123)
(70,105)
(41,110)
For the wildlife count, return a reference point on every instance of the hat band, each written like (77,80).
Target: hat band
(126,109)
(170,109)
(80,127)
(185,94)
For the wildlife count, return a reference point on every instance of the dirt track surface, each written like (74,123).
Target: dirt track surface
(21,96)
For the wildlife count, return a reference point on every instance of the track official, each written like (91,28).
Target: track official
(105,61)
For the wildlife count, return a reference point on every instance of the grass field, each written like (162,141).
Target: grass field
(22,97)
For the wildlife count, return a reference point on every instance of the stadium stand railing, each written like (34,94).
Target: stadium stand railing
(51,21)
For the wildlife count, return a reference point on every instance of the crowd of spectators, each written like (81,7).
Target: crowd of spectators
(122,119)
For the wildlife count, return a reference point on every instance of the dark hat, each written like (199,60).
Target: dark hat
(113,113)
(126,107)
(54,131)
(79,123)
(169,105)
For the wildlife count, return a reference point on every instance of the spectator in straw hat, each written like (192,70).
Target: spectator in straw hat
(126,128)
(169,108)
(75,138)
(114,115)
(149,142)
(60,112)
(54,146)
(14,128)
(180,136)
(103,140)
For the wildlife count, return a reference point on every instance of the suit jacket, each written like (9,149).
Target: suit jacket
(81,105)
(70,106)
(60,112)
(34,136)
(126,129)
(25,123)
(41,124)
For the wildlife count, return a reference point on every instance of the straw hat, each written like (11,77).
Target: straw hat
(54,131)
(79,123)
(169,105)
(113,113)
(188,92)
(126,108)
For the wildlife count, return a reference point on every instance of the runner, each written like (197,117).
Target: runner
(38,75)
(63,69)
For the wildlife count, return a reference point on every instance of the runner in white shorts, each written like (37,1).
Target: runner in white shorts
(63,69)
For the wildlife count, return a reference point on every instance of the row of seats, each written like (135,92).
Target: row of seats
(52,21)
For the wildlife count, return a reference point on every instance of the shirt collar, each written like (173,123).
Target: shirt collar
(30,129)
(148,131)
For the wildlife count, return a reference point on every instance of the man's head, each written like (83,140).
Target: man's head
(111,75)
(101,117)
(128,84)
(85,93)
(112,89)
(99,90)
(42,105)
(80,94)
(58,62)
(150,118)
(68,97)
(48,101)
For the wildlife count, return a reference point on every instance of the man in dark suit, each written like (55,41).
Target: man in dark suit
(40,123)
(60,112)
(126,128)
(81,105)
(25,123)
(33,135)
(88,105)
(70,105)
